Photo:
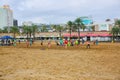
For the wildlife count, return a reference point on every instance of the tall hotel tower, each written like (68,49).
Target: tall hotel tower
(6,16)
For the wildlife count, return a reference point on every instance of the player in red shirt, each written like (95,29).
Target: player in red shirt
(66,42)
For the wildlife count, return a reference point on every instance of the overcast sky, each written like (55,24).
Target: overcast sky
(61,11)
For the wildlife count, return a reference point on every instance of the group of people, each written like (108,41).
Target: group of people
(71,42)
(60,42)
(29,42)
(65,42)
(8,42)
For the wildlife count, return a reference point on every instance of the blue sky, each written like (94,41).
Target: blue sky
(61,11)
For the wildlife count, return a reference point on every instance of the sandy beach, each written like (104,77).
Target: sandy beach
(100,62)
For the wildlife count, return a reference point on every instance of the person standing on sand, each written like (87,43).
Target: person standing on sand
(88,44)
(49,44)
(14,42)
(27,43)
(69,43)
(96,42)
(57,43)
(19,41)
(61,42)
(83,41)
(2,42)
(31,42)
(9,42)
(72,42)
(41,43)
(66,43)
(76,42)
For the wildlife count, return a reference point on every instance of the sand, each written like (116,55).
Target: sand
(101,62)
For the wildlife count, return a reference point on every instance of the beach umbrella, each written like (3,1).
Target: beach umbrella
(6,37)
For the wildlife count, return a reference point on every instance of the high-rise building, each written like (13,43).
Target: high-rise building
(15,22)
(6,16)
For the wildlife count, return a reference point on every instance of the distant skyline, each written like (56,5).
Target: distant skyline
(61,11)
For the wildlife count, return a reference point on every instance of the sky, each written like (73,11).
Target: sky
(61,11)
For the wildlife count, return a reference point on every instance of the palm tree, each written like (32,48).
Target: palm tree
(44,28)
(54,27)
(1,30)
(78,23)
(93,27)
(34,30)
(118,23)
(74,27)
(30,31)
(27,30)
(69,23)
(59,29)
(14,30)
(5,30)
(115,31)
(65,28)
(83,26)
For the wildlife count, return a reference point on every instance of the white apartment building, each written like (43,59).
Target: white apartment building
(6,16)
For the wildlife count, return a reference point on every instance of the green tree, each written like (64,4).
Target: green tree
(93,28)
(74,27)
(115,31)
(44,28)
(69,23)
(27,30)
(59,29)
(83,26)
(34,30)
(118,23)
(14,30)
(5,29)
(54,27)
(1,31)
(78,23)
